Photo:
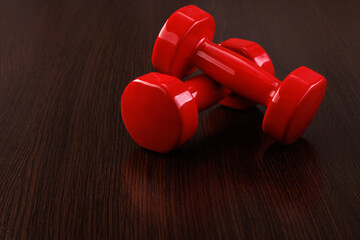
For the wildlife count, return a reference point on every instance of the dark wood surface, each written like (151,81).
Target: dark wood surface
(69,169)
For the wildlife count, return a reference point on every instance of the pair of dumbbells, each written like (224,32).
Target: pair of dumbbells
(161,112)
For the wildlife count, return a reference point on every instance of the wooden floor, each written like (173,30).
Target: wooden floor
(69,169)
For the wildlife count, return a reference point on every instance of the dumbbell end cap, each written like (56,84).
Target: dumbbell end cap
(178,39)
(159,112)
(294,105)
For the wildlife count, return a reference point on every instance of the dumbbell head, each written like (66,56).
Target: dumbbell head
(179,37)
(294,105)
(159,112)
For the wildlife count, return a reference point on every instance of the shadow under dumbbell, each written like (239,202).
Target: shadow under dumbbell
(224,131)
(229,166)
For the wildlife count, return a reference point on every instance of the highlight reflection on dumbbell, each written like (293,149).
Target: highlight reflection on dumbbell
(185,42)
(161,113)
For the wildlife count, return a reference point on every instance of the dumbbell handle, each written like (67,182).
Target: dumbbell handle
(206,91)
(235,72)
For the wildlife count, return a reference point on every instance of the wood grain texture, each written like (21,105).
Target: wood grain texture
(69,170)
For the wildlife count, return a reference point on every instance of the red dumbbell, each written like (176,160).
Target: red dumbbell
(185,41)
(160,112)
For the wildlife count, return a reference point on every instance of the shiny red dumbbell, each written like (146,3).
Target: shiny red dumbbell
(185,42)
(160,112)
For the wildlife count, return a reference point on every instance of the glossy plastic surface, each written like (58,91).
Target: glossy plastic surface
(238,73)
(294,105)
(179,36)
(255,53)
(251,51)
(235,72)
(158,110)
